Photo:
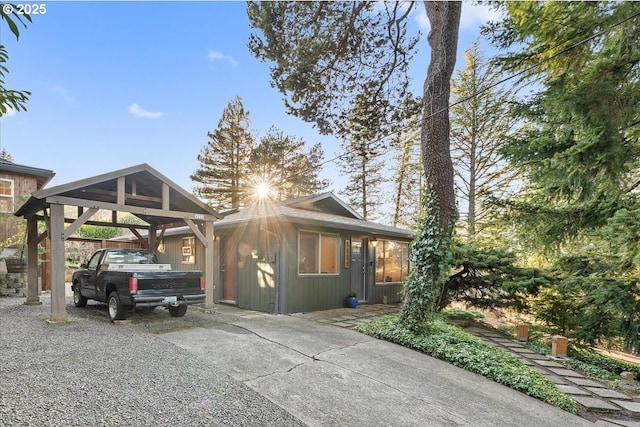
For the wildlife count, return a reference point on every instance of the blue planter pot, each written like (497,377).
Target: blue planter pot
(352,302)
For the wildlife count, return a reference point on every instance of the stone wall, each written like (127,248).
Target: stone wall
(13,284)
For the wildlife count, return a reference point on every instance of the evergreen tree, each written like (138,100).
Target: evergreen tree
(361,161)
(580,154)
(480,122)
(281,162)
(224,171)
(5,155)
(407,181)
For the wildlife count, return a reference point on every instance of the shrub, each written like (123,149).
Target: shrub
(441,339)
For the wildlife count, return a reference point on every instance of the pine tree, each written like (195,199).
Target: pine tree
(281,162)
(480,122)
(6,156)
(407,173)
(362,163)
(224,169)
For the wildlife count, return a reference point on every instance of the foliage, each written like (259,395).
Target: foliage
(445,341)
(480,121)
(463,314)
(89,231)
(604,363)
(281,162)
(430,253)
(325,55)
(580,154)
(224,170)
(11,99)
(362,162)
(488,278)
(591,301)
(5,155)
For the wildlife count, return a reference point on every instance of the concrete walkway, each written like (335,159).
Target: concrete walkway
(596,401)
(334,376)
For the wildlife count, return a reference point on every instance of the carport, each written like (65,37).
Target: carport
(139,190)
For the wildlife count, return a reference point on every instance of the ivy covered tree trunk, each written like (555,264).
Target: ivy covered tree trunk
(431,245)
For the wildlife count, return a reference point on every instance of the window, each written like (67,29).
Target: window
(392,261)
(188,250)
(6,195)
(318,253)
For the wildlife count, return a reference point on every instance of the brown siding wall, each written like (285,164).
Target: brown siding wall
(23,186)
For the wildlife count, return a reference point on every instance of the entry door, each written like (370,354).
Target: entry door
(357,270)
(229,248)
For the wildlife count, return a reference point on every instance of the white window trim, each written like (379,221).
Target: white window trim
(319,273)
(11,197)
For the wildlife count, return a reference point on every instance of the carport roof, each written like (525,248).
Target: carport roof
(139,189)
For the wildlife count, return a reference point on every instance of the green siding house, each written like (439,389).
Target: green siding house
(299,255)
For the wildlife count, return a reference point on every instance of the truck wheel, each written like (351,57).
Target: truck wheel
(178,311)
(78,299)
(116,310)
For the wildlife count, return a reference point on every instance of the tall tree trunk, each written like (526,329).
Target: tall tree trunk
(443,40)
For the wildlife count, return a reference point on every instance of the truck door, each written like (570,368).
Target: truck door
(88,276)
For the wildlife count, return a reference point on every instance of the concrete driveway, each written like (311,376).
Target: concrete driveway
(330,376)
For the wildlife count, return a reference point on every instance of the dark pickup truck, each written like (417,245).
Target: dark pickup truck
(130,278)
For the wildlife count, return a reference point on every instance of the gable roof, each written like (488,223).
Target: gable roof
(327,211)
(146,193)
(324,202)
(42,175)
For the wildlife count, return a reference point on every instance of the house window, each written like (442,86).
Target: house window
(392,261)
(188,250)
(318,253)
(6,195)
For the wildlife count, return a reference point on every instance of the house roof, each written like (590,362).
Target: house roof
(140,189)
(42,175)
(281,213)
(323,210)
(325,202)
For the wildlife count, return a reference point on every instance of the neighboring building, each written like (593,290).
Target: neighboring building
(17,182)
(299,255)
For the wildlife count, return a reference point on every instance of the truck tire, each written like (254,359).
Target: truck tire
(178,311)
(78,299)
(115,308)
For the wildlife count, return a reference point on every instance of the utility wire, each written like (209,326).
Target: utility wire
(481,91)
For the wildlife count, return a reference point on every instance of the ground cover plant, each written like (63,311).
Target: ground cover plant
(590,363)
(438,337)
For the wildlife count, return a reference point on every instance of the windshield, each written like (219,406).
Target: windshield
(130,257)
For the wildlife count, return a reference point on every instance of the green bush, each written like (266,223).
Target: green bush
(441,339)
(463,314)
(604,363)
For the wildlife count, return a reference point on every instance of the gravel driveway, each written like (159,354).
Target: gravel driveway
(89,372)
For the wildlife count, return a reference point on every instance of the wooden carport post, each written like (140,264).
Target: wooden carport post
(209,254)
(56,236)
(33,294)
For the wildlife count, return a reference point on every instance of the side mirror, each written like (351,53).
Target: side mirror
(83,265)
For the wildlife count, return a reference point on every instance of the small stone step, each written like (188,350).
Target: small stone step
(632,407)
(595,405)
(608,393)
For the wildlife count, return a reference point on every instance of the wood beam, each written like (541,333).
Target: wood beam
(197,232)
(78,222)
(142,240)
(165,196)
(128,208)
(33,294)
(120,193)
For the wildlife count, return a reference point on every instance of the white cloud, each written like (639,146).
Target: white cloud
(139,112)
(64,93)
(10,113)
(472,17)
(214,56)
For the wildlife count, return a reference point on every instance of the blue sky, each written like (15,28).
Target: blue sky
(116,84)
